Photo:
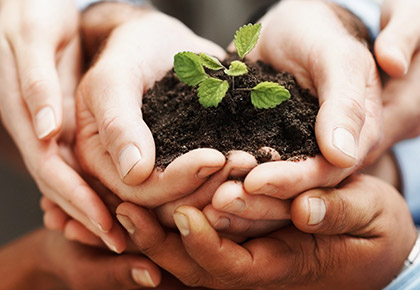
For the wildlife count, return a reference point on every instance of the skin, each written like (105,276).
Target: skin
(40,67)
(351,239)
(46,260)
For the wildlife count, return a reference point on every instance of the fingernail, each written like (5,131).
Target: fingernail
(98,226)
(237,205)
(126,223)
(207,171)
(344,141)
(267,189)
(317,210)
(142,277)
(222,223)
(45,122)
(182,224)
(128,158)
(111,246)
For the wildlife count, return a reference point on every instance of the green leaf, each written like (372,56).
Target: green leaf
(268,95)
(211,92)
(236,68)
(188,68)
(210,62)
(246,38)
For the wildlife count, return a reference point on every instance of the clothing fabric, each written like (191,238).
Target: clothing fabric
(368,11)
(407,155)
(83,4)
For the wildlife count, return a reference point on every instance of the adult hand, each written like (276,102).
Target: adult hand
(114,142)
(37,33)
(46,260)
(345,233)
(51,163)
(400,36)
(401,101)
(316,41)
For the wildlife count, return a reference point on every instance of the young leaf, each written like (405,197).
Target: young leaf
(210,62)
(188,68)
(236,68)
(246,38)
(268,95)
(211,92)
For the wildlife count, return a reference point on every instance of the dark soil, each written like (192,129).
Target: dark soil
(180,124)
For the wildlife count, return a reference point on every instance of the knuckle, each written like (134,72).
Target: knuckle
(354,110)
(109,129)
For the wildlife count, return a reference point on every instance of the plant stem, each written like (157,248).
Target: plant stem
(244,89)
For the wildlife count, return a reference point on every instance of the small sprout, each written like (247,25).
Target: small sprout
(189,68)
(246,38)
(211,92)
(267,95)
(210,62)
(236,68)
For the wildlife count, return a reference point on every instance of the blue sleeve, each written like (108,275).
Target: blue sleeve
(83,4)
(407,280)
(368,11)
(407,155)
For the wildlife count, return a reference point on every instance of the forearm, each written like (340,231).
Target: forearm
(23,265)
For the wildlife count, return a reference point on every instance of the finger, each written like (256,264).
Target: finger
(127,272)
(238,164)
(114,99)
(232,198)
(354,208)
(75,231)
(220,256)
(162,247)
(235,225)
(399,38)
(40,87)
(46,204)
(180,178)
(55,219)
(284,180)
(346,92)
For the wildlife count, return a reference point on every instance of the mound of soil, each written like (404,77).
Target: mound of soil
(180,124)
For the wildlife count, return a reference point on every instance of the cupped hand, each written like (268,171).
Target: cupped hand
(400,36)
(52,163)
(317,42)
(338,236)
(139,49)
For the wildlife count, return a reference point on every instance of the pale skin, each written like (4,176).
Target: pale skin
(187,212)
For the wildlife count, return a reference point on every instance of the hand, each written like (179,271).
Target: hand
(400,36)
(346,232)
(401,101)
(46,260)
(37,33)
(25,59)
(309,40)
(114,142)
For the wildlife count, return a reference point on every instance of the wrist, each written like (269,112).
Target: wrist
(367,11)
(352,23)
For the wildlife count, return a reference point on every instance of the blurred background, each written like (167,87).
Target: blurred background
(216,20)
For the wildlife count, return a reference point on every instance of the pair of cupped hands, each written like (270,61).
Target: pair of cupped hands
(87,147)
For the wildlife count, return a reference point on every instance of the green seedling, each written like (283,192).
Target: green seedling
(189,68)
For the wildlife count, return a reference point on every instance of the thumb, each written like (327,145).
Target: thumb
(353,208)
(399,38)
